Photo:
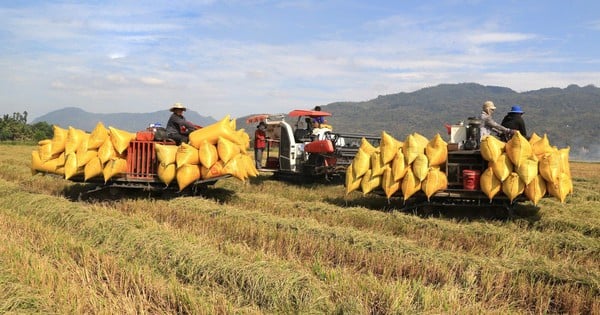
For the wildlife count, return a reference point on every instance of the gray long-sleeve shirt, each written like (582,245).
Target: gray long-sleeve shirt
(489,125)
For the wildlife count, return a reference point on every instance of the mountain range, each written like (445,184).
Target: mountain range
(569,116)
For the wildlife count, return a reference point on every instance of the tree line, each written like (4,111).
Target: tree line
(15,128)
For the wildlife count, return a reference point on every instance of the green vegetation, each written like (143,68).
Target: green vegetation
(15,128)
(266,246)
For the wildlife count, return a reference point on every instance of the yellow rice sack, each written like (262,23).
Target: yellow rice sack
(71,168)
(389,147)
(398,166)
(528,169)
(212,132)
(491,148)
(250,164)
(533,139)
(421,139)
(549,166)
(74,138)
(113,168)
(389,185)
(92,169)
(420,166)
(513,186)
(410,184)
(166,172)
(106,151)
(166,153)
(489,183)
(436,180)
(411,148)
(564,160)
(120,139)
(215,170)
(368,182)
(186,174)
(518,149)
(226,149)
(45,150)
(377,165)
(541,147)
(98,136)
(60,160)
(236,168)
(352,182)
(244,139)
(85,157)
(59,139)
(186,154)
(561,188)
(502,167)
(536,189)
(367,147)
(361,162)
(436,151)
(37,165)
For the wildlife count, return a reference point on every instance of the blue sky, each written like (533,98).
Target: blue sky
(243,57)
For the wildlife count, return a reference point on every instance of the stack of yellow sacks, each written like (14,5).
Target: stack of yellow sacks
(532,167)
(394,166)
(214,150)
(73,152)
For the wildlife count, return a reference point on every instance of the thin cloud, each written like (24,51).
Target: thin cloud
(498,37)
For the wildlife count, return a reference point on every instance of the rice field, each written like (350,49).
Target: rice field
(271,247)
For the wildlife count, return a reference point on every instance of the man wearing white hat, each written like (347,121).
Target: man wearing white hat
(178,128)
(488,125)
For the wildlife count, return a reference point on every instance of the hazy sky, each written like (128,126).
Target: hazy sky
(243,57)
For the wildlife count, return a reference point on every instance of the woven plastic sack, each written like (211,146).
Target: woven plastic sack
(166,154)
(541,147)
(120,139)
(211,133)
(389,185)
(186,174)
(249,164)
(214,171)
(368,182)
(412,148)
(166,172)
(536,189)
(186,154)
(561,188)
(410,184)
(489,183)
(366,146)
(502,167)
(491,148)
(436,151)
(420,167)
(550,166)
(45,150)
(352,182)
(71,168)
(513,186)
(564,160)
(528,169)
(361,162)
(226,149)
(59,139)
(92,169)
(377,165)
(436,180)
(37,165)
(388,147)
(114,167)
(518,149)
(399,167)
(74,138)
(85,157)
(107,151)
(534,138)
(235,169)
(98,136)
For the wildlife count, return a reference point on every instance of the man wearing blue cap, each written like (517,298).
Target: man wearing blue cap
(514,120)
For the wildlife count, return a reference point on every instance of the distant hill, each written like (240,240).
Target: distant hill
(78,118)
(570,116)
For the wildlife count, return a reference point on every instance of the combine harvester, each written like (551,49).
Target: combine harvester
(464,173)
(110,158)
(298,151)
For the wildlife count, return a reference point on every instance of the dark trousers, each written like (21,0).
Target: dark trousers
(258,154)
(178,138)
